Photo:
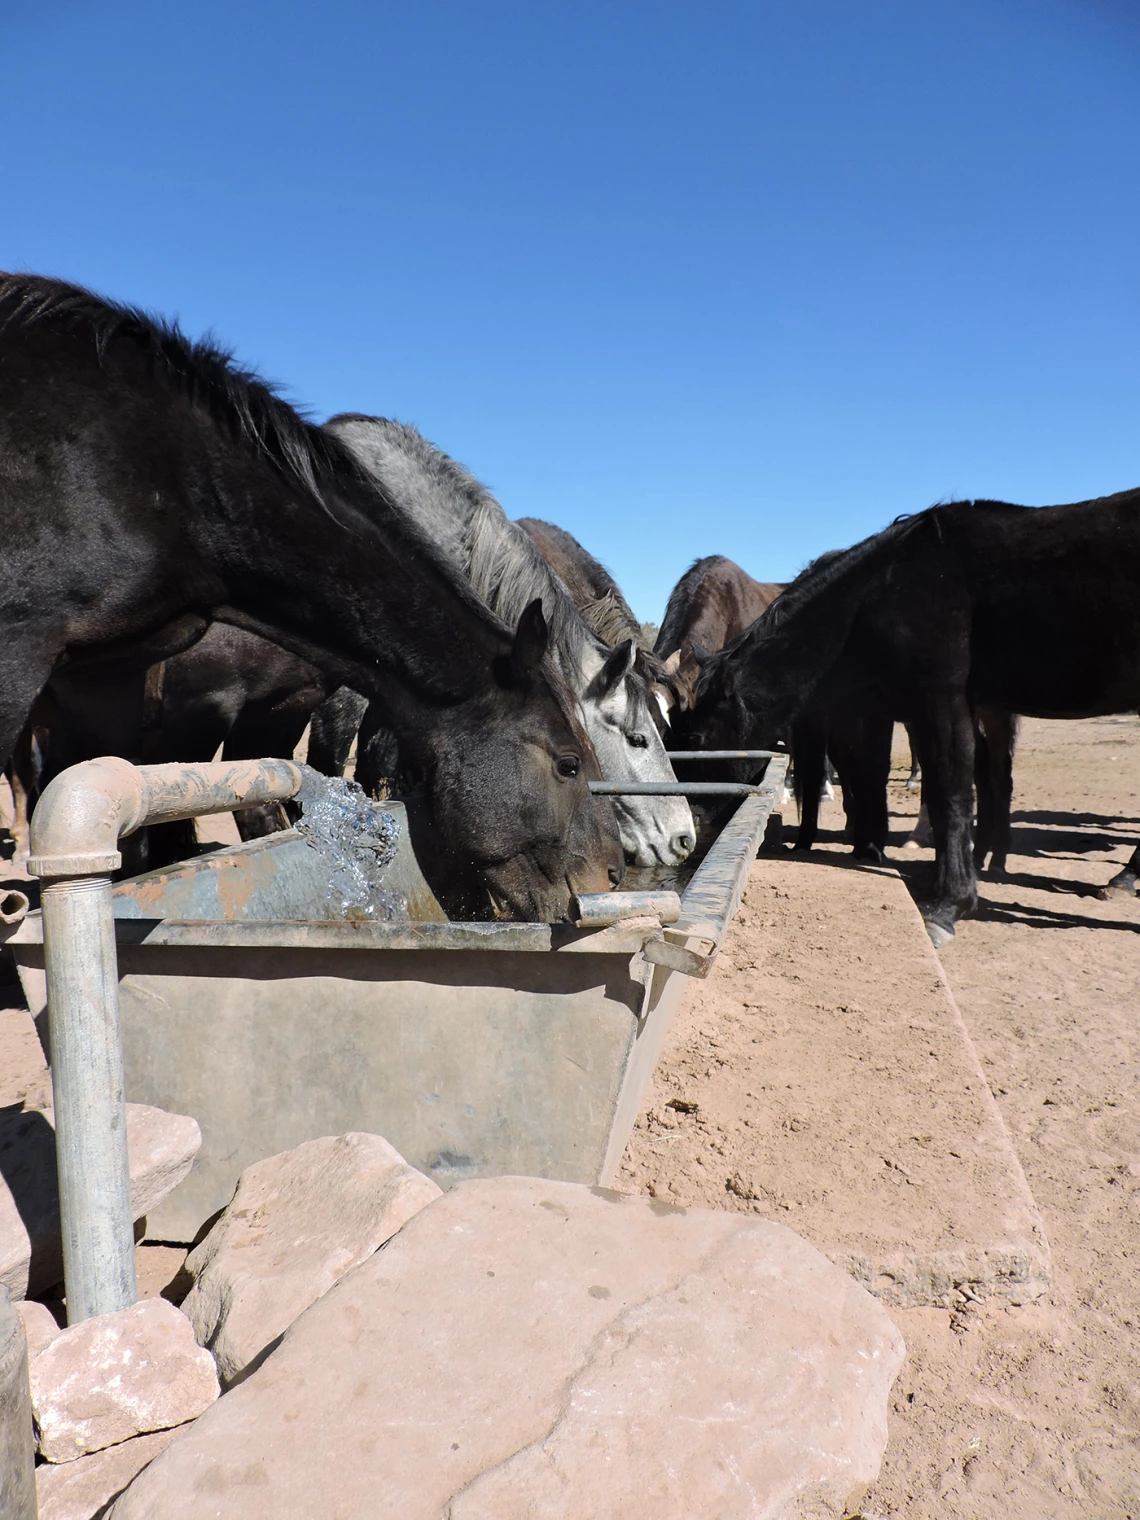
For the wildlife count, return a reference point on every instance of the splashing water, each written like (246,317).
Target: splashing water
(358,839)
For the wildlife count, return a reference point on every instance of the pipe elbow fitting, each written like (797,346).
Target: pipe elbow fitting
(82,814)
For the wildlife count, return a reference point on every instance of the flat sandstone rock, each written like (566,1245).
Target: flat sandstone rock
(116,1376)
(81,1490)
(297,1223)
(823,1076)
(526,1348)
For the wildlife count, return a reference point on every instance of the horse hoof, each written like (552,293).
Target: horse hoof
(1116,889)
(939,933)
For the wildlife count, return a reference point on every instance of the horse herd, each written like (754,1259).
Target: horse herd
(191,564)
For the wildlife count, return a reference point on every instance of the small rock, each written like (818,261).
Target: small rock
(81,1490)
(526,1348)
(161,1148)
(116,1376)
(39,1325)
(297,1223)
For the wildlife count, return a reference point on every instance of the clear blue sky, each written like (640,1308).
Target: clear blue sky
(748,277)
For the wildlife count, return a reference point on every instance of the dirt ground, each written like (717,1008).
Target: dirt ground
(1020,1413)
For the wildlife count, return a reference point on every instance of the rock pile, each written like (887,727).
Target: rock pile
(298,1222)
(119,1375)
(524,1347)
(513,1348)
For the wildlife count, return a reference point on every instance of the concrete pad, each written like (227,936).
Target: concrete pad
(823,1076)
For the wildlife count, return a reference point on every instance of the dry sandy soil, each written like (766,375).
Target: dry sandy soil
(1020,1413)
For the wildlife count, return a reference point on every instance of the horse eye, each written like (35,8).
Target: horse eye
(568,766)
(639,741)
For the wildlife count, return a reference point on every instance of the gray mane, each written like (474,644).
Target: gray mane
(462,516)
(508,573)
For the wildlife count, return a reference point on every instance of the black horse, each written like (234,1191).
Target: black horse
(1032,610)
(150,487)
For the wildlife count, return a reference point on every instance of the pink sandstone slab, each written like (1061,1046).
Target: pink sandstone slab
(533,1348)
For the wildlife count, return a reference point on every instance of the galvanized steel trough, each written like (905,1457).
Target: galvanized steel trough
(477,1049)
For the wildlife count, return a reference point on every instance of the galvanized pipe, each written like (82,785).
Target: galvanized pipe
(727,754)
(17,1442)
(13,907)
(672,788)
(74,836)
(596,910)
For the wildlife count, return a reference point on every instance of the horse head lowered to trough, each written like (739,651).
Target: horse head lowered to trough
(150,487)
(503,566)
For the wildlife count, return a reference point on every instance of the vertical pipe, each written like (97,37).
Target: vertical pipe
(75,835)
(17,1443)
(90,1100)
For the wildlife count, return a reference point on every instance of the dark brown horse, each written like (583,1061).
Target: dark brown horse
(710,606)
(597,596)
(150,487)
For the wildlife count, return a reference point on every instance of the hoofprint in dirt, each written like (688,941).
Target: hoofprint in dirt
(1025,1413)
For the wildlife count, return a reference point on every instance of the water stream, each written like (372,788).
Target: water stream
(358,838)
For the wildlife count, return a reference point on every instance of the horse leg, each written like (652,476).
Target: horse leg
(983,786)
(809,750)
(997,731)
(879,731)
(912,781)
(334,725)
(1124,883)
(946,741)
(255,736)
(862,749)
(377,754)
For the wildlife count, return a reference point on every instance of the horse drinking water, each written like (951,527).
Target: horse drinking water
(503,566)
(149,487)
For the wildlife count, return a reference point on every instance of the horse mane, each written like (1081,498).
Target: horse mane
(498,558)
(833,565)
(669,634)
(198,369)
(508,572)
(605,609)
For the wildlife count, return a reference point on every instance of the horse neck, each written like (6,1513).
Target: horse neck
(788,659)
(365,590)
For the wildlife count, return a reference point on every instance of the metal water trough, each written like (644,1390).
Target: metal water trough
(477,1049)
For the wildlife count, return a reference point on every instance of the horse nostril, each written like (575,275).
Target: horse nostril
(682,844)
(616,874)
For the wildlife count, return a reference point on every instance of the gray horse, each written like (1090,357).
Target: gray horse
(507,571)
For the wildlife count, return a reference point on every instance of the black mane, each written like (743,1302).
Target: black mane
(198,369)
(828,567)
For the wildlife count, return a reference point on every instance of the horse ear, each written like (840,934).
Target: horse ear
(532,639)
(618,665)
(700,654)
(673,663)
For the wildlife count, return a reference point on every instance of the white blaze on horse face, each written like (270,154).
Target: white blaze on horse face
(663,697)
(654,830)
